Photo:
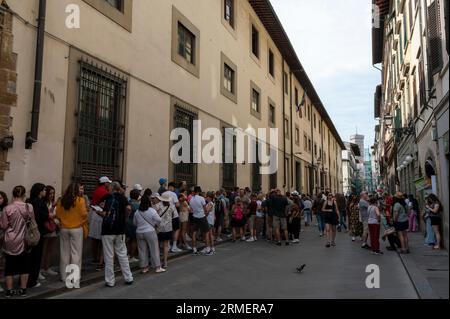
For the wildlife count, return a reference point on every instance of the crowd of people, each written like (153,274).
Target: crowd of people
(145,227)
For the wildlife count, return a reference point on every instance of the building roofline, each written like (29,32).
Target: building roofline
(266,13)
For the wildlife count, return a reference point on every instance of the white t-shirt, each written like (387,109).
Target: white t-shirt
(212,215)
(307,204)
(197,203)
(145,221)
(173,202)
(373,219)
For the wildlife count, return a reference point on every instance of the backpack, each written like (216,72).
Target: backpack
(219,207)
(32,234)
(109,220)
(238,214)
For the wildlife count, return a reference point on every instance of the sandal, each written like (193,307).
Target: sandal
(436,248)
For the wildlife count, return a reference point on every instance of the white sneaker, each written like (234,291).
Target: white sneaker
(41,277)
(218,239)
(187,238)
(1,289)
(205,250)
(250,240)
(187,247)
(133,260)
(37,285)
(176,250)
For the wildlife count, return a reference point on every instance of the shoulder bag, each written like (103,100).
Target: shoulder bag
(32,234)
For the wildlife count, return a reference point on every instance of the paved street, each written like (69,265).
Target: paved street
(262,270)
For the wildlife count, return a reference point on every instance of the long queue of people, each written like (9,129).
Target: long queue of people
(147,226)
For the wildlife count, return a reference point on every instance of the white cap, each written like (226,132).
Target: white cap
(138,187)
(104,180)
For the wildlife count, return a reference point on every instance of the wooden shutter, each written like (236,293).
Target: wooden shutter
(434,38)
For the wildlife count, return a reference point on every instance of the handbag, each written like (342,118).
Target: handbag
(32,234)
(154,226)
(50,225)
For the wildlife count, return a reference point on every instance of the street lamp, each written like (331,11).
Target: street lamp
(388,120)
(409,159)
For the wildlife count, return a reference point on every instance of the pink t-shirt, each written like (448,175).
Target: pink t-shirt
(12,220)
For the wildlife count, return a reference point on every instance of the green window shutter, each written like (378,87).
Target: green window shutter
(434,38)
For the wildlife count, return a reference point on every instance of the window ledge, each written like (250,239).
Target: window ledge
(122,18)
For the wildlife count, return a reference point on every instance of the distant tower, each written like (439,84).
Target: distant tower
(359,140)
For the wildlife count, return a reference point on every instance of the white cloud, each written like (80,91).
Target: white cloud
(333,41)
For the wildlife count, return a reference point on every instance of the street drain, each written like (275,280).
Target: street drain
(434,269)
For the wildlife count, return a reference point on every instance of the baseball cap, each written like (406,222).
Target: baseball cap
(138,187)
(162,180)
(104,180)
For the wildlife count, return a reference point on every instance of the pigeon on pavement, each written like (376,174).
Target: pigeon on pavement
(300,269)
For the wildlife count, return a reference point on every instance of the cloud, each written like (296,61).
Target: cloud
(333,41)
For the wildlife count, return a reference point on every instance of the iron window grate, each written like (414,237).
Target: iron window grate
(100,125)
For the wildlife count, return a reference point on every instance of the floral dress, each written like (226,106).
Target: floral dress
(356,226)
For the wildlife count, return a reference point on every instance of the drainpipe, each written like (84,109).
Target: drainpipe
(291,122)
(284,128)
(32,136)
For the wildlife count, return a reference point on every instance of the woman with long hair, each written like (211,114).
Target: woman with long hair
(72,213)
(434,208)
(17,258)
(41,214)
(401,221)
(331,219)
(146,220)
(50,239)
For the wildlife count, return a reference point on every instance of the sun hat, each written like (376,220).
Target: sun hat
(138,187)
(165,198)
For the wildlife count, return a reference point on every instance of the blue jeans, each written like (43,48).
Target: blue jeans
(308,217)
(342,218)
(430,239)
(320,222)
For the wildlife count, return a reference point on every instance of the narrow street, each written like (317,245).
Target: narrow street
(261,270)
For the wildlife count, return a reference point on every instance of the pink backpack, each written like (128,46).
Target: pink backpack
(238,214)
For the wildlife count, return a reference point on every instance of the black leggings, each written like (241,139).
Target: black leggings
(295,227)
(35,263)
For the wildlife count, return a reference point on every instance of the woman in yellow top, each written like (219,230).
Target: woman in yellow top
(72,213)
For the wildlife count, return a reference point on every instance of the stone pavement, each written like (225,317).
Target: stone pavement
(263,270)
(427,268)
(52,285)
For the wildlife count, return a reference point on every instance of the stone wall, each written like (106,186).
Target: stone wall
(8,81)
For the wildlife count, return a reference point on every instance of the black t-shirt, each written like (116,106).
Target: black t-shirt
(41,213)
(115,223)
(279,204)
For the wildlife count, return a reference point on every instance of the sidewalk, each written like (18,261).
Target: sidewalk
(53,285)
(427,268)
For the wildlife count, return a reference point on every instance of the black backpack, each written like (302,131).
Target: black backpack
(110,221)
(218,207)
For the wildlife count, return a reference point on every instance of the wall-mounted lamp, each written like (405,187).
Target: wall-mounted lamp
(388,119)
(7,142)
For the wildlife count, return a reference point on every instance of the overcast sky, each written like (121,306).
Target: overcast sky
(333,41)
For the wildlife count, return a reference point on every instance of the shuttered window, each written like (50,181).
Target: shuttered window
(434,38)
